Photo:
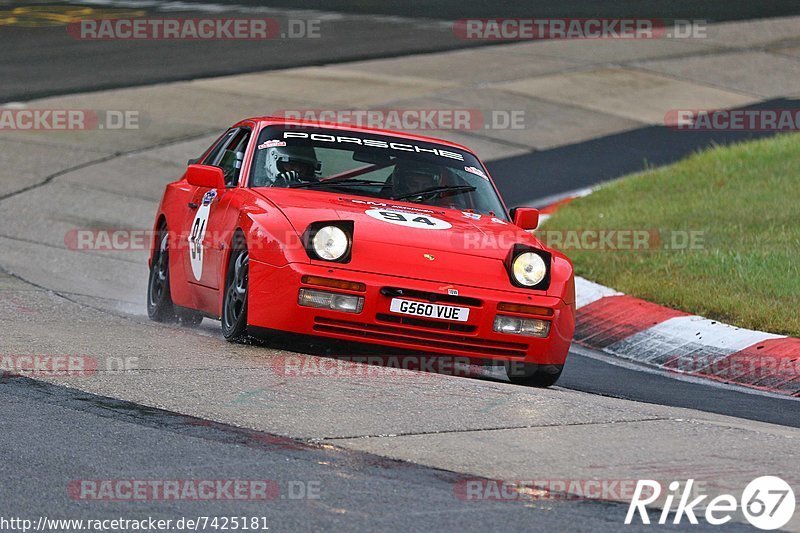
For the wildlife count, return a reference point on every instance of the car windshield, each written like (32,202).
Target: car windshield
(373,165)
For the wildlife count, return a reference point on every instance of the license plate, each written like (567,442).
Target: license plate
(427,310)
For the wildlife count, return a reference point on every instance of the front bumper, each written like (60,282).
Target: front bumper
(272,304)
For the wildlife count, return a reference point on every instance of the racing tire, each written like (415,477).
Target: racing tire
(533,375)
(159,299)
(234,304)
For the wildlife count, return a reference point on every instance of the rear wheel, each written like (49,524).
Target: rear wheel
(159,301)
(234,305)
(532,374)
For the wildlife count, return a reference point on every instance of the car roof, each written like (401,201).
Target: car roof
(270,121)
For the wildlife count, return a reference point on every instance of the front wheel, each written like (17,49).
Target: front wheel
(532,374)
(234,305)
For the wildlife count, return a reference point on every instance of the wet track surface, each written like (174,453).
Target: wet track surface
(387,453)
(362,492)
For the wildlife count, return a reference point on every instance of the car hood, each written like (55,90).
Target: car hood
(441,245)
(429,227)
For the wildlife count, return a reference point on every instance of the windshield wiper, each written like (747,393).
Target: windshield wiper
(336,183)
(436,190)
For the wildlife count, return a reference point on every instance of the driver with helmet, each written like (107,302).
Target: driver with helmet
(286,164)
(410,177)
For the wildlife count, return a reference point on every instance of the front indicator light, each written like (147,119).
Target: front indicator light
(525,309)
(330,300)
(531,327)
(334,283)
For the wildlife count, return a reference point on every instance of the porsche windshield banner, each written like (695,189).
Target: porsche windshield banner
(350,142)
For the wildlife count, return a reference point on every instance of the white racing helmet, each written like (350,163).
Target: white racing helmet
(291,163)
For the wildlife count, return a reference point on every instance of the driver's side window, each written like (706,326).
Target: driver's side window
(213,156)
(228,154)
(232,156)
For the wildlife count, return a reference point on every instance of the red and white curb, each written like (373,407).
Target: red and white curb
(636,330)
(554,203)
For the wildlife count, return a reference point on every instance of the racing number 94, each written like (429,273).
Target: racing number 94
(197,230)
(400,217)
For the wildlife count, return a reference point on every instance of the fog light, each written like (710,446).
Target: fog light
(521,326)
(330,300)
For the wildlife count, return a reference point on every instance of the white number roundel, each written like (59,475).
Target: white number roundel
(408,219)
(196,236)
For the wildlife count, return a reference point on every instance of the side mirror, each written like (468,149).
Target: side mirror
(205,176)
(526,218)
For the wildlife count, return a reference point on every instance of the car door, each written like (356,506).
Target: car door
(207,213)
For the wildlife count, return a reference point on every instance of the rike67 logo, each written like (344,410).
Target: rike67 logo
(768,503)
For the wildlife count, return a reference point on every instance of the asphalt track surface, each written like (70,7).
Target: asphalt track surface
(47,60)
(56,434)
(587,372)
(42,60)
(363,492)
(581,165)
(715,10)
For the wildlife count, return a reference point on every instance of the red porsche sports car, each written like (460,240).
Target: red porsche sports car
(361,235)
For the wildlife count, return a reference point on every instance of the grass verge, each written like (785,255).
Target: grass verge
(723,232)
